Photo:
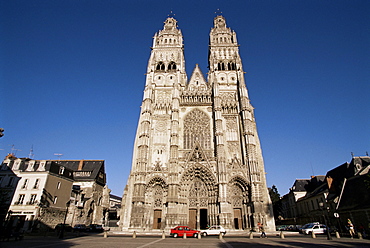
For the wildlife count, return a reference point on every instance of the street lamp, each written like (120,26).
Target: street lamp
(326,223)
(61,235)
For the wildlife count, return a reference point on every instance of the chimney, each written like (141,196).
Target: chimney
(81,165)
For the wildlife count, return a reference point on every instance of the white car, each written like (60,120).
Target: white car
(214,230)
(315,228)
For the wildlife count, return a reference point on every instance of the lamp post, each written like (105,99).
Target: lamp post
(326,223)
(61,235)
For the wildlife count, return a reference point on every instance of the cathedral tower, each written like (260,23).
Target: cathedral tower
(197,159)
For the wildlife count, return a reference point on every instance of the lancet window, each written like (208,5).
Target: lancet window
(160,66)
(172,66)
(221,66)
(231,66)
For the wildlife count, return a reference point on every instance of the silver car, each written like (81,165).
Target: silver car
(214,230)
(315,228)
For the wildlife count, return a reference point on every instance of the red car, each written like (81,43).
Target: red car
(180,230)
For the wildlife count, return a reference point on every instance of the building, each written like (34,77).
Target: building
(41,193)
(8,183)
(343,193)
(88,204)
(114,210)
(197,157)
(288,201)
(44,193)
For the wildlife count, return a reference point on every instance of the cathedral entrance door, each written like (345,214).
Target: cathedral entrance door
(192,218)
(237,218)
(203,214)
(157,219)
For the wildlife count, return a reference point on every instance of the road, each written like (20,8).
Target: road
(113,241)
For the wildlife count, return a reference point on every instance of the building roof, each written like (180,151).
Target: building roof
(78,170)
(85,170)
(356,193)
(115,197)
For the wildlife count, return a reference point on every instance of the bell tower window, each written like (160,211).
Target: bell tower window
(231,66)
(172,66)
(160,66)
(221,66)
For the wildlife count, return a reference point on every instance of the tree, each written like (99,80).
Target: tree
(276,203)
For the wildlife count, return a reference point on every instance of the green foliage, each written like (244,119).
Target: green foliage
(276,203)
(274,194)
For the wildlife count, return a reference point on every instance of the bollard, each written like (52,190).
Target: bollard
(220,236)
(199,235)
(134,235)
(163,235)
(282,235)
(359,235)
(250,235)
(313,235)
(184,236)
(337,235)
(105,234)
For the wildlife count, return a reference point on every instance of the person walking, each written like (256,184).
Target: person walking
(351,228)
(262,229)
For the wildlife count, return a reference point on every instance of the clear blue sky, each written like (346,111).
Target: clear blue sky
(72,77)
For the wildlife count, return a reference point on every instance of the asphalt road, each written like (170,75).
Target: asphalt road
(98,241)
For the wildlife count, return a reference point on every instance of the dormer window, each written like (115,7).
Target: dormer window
(61,170)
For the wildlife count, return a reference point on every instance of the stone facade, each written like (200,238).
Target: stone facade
(197,158)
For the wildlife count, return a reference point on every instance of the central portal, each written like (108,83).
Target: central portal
(203,220)
(193,218)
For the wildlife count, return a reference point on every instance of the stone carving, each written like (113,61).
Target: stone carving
(197,129)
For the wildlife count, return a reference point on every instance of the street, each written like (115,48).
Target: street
(98,240)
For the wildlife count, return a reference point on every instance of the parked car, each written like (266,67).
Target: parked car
(95,228)
(214,230)
(180,231)
(67,227)
(281,227)
(315,228)
(79,228)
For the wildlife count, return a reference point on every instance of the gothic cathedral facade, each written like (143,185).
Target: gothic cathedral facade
(197,158)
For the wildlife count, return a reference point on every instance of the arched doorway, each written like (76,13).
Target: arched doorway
(239,193)
(155,194)
(200,192)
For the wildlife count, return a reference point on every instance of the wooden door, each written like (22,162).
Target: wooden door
(192,218)
(157,219)
(237,218)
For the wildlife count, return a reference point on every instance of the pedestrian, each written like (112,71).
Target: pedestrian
(259,226)
(351,228)
(262,229)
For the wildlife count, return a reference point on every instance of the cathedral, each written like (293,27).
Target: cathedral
(197,158)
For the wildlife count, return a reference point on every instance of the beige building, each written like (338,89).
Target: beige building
(197,157)
(45,193)
(41,192)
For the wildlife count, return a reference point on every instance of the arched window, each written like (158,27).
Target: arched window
(221,66)
(197,129)
(160,66)
(172,66)
(231,66)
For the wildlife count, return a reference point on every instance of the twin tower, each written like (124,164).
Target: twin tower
(197,158)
